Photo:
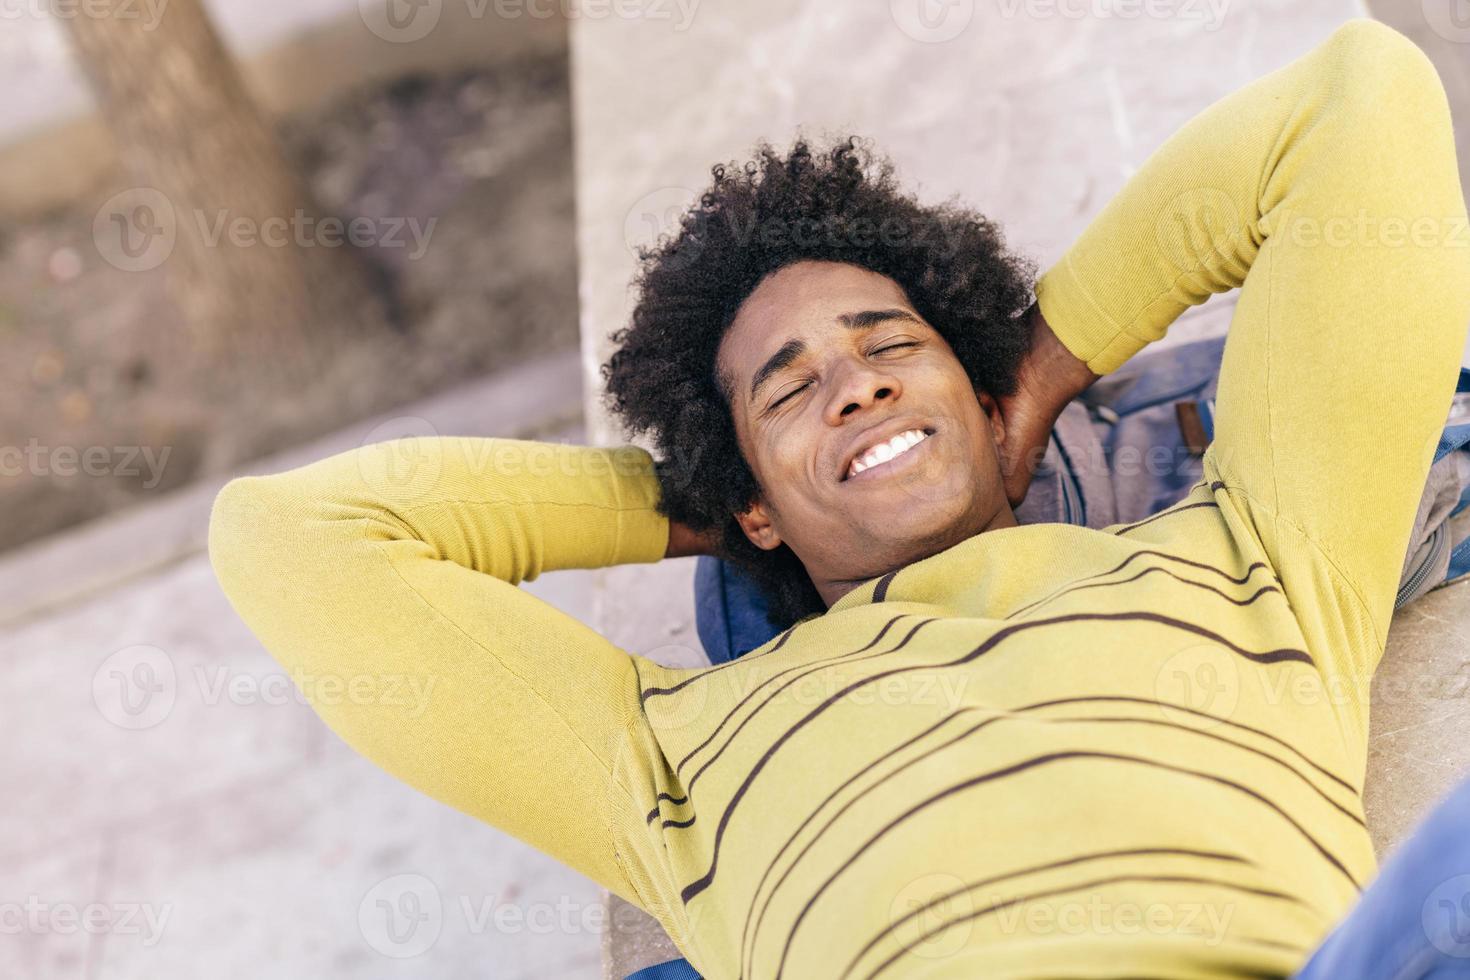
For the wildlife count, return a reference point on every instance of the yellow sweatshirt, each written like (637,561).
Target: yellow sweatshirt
(1047,750)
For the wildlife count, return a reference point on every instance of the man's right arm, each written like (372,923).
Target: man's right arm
(1049,377)
(685,542)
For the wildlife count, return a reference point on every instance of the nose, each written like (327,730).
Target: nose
(860,385)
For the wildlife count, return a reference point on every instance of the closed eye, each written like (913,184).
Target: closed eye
(788,395)
(880,350)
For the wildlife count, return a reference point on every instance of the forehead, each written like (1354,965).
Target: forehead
(802,301)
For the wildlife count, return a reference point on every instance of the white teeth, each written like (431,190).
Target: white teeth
(885,451)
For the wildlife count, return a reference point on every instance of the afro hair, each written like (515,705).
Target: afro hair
(840,205)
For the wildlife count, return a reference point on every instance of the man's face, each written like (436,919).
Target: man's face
(840,362)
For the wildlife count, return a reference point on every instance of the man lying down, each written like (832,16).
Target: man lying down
(864,403)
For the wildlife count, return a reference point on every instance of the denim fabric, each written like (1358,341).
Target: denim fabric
(729,611)
(1413,920)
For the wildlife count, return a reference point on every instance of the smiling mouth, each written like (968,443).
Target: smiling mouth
(890,457)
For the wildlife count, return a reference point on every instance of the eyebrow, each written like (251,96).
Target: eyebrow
(794,348)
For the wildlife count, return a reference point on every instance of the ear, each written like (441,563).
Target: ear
(756,523)
(991,407)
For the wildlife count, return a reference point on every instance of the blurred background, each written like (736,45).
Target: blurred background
(239,236)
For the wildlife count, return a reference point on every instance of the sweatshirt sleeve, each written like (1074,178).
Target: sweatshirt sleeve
(385,580)
(1328,192)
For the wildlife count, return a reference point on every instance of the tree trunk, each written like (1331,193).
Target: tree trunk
(216,204)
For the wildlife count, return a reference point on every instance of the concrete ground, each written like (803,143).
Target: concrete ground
(173,810)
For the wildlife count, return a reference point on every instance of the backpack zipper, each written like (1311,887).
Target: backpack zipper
(1436,547)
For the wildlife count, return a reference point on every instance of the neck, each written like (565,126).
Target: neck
(832,589)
